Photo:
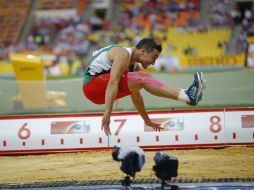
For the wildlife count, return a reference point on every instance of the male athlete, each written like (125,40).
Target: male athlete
(113,72)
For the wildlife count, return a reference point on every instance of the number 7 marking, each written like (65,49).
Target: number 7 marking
(122,122)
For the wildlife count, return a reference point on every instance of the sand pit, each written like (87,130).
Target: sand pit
(200,163)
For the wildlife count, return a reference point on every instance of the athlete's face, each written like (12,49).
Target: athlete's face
(148,58)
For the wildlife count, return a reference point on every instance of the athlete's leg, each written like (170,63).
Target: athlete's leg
(138,80)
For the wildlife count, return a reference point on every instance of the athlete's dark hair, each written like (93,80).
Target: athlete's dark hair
(149,44)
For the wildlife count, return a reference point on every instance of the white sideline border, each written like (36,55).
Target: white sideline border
(186,129)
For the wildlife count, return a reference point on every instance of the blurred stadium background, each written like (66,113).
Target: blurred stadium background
(215,36)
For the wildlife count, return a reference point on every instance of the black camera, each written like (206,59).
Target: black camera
(165,166)
(132,158)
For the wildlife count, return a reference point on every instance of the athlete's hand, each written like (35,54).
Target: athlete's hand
(105,124)
(155,126)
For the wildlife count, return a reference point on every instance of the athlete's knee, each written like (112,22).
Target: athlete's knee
(135,77)
(142,78)
(143,74)
(138,77)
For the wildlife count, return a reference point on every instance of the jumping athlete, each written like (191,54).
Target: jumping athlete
(114,72)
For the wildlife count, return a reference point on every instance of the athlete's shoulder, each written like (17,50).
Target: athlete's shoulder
(119,48)
(119,51)
(102,50)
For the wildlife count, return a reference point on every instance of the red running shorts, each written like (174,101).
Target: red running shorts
(95,89)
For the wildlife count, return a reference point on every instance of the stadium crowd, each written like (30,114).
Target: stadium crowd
(72,39)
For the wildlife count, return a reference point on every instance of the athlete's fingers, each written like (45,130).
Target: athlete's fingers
(107,130)
(158,128)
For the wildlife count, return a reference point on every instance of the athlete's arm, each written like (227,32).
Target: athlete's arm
(120,58)
(138,102)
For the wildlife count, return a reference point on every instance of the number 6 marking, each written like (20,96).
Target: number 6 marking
(24,132)
(122,122)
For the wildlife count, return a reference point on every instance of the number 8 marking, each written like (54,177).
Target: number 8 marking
(215,126)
